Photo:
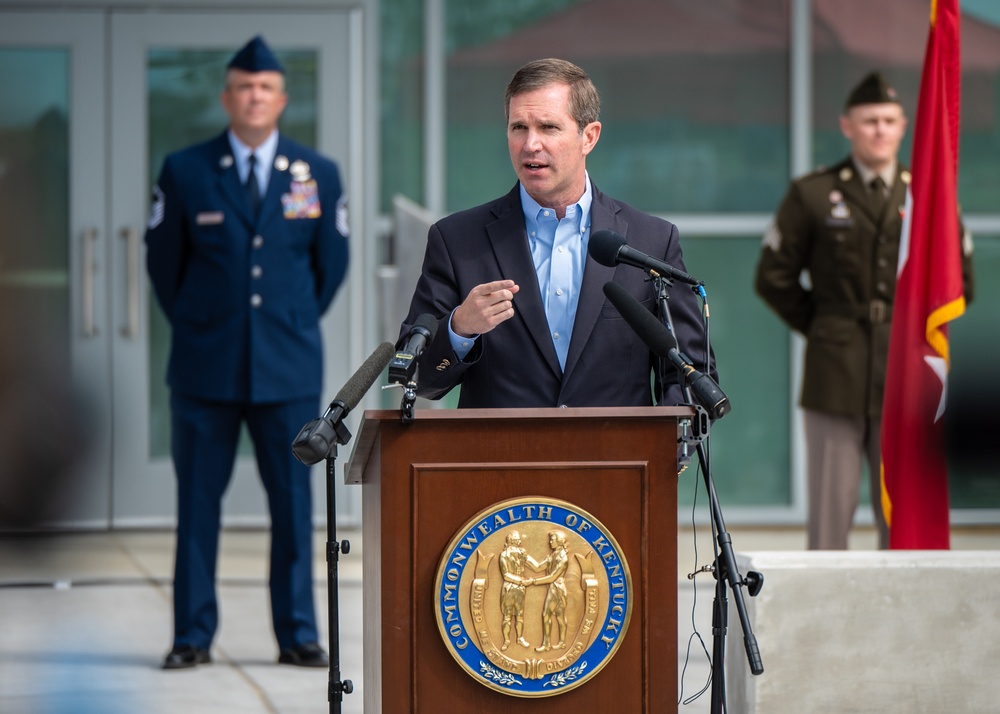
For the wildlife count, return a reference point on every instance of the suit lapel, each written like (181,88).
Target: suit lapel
(603,215)
(854,190)
(510,245)
(278,183)
(896,203)
(228,180)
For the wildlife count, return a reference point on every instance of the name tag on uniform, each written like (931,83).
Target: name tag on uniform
(210,218)
(302,201)
(840,214)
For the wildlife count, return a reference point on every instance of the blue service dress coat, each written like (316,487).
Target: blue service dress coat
(515,365)
(244,296)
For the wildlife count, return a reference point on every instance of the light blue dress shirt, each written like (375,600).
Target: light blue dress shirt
(559,253)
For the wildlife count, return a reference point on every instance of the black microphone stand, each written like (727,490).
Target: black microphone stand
(406,404)
(336,688)
(724,568)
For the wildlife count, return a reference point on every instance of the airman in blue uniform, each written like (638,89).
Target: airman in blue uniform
(247,244)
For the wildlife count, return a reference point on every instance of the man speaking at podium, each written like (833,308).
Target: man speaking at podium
(522,315)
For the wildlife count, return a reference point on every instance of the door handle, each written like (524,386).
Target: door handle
(87,284)
(131,237)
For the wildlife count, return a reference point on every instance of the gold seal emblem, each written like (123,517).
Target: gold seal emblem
(533,597)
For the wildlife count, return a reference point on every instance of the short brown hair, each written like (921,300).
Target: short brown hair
(584,102)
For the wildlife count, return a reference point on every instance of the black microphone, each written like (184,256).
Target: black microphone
(663,344)
(705,390)
(404,363)
(318,439)
(609,248)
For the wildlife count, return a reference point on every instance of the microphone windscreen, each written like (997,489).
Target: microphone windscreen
(427,322)
(604,245)
(362,380)
(656,336)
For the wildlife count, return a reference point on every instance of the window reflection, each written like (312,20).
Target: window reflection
(694,97)
(34,198)
(402,101)
(751,456)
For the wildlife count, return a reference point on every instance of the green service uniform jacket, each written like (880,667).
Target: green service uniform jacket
(826,228)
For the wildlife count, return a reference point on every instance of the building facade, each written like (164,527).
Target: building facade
(708,109)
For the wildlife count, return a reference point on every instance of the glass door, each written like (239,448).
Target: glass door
(55,403)
(167,73)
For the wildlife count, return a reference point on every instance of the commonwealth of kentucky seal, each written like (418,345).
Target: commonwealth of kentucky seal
(533,597)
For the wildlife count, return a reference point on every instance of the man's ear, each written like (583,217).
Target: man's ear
(591,133)
(845,126)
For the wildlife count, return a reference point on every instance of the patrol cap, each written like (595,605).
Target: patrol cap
(873,89)
(256,56)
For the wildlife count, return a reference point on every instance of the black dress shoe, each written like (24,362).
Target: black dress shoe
(185,657)
(309,654)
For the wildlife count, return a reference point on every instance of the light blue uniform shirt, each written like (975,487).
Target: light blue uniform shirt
(265,158)
(559,253)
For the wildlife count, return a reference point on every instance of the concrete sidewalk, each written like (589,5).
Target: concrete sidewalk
(85,620)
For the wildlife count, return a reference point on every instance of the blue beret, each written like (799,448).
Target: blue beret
(256,56)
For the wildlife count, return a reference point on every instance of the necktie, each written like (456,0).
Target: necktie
(878,196)
(253,188)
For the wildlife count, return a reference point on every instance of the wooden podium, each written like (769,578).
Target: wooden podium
(423,481)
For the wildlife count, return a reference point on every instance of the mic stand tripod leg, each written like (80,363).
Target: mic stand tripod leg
(727,572)
(336,688)
(720,623)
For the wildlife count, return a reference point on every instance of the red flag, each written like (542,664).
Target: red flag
(928,295)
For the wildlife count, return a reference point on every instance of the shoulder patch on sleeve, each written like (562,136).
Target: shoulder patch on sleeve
(772,238)
(157,208)
(343,224)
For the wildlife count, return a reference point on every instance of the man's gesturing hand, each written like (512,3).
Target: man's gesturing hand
(486,307)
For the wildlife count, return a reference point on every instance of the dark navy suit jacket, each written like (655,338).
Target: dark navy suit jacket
(515,365)
(244,296)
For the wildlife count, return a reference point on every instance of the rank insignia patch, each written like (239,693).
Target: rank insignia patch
(533,597)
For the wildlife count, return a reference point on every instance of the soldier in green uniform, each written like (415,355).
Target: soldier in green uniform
(828,269)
